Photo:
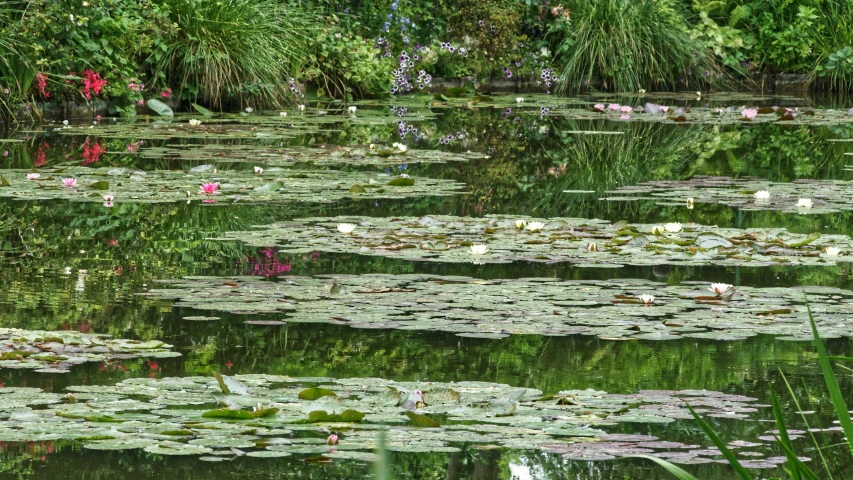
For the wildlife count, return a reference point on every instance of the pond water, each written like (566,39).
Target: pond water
(76,262)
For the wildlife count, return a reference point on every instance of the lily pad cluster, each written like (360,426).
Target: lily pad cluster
(826,196)
(470,307)
(380,155)
(273,185)
(503,239)
(274,416)
(726,115)
(58,351)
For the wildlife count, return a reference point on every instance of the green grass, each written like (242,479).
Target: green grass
(631,45)
(232,49)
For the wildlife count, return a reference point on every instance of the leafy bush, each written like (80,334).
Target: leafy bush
(344,65)
(231,48)
(631,44)
(106,37)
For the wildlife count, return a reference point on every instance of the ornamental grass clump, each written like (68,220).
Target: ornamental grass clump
(243,49)
(631,44)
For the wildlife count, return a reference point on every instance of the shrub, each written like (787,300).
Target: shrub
(631,44)
(231,48)
(108,37)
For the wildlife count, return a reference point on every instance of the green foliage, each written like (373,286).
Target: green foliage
(631,45)
(345,65)
(242,49)
(109,37)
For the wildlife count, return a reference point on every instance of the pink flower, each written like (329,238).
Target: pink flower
(664,109)
(614,106)
(749,113)
(625,117)
(599,106)
(141,102)
(209,188)
(69,181)
(627,109)
(332,440)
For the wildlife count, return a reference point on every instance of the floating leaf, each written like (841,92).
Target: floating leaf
(315,393)
(421,420)
(198,108)
(402,182)
(160,107)
(101,185)
(228,413)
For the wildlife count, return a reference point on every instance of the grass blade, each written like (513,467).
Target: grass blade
(795,462)
(676,471)
(719,443)
(831,383)
(808,427)
(784,439)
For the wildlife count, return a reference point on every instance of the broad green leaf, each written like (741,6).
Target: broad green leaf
(160,107)
(315,393)
(421,420)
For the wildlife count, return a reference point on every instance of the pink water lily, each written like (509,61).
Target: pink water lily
(69,181)
(627,109)
(749,113)
(614,107)
(209,188)
(332,440)
(598,106)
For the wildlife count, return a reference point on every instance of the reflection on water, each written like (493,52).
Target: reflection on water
(79,266)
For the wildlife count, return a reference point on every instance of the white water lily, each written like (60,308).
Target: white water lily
(690,204)
(804,203)
(535,226)
(762,194)
(282,114)
(520,224)
(642,91)
(479,249)
(519,100)
(647,299)
(249,109)
(346,227)
(259,170)
(373,146)
(399,146)
(352,109)
(592,247)
(672,227)
(658,230)
(194,122)
(301,108)
(832,251)
(65,122)
(720,288)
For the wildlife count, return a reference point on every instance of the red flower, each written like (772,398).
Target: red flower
(41,84)
(229,364)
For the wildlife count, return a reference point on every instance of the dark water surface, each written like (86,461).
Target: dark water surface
(80,266)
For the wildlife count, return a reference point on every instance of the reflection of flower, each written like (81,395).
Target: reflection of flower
(690,204)
(832,251)
(720,288)
(647,299)
(519,100)
(259,170)
(282,114)
(479,249)
(352,109)
(301,108)
(592,247)
(109,198)
(194,122)
(673,227)
(535,226)
(804,203)
(749,113)
(346,227)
